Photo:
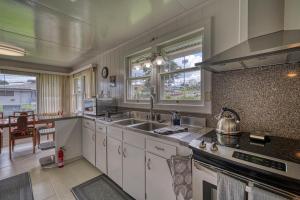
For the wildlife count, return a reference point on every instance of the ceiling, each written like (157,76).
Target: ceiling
(66,32)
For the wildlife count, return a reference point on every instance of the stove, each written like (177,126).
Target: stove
(275,162)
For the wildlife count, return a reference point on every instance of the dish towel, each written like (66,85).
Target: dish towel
(229,188)
(260,194)
(181,171)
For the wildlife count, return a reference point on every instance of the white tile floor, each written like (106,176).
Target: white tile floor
(47,184)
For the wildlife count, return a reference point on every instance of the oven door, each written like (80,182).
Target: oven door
(204,183)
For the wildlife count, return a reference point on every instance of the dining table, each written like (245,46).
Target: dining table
(39,119)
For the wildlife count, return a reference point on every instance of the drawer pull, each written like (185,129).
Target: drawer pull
(124,153)
(159,148)
(148,164)
(119,150)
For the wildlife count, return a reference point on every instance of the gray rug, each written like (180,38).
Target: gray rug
(100,188)
(16,188)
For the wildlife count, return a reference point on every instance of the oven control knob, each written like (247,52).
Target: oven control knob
(202,144)
(214,147)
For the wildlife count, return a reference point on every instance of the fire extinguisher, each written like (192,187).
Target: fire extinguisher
(61,157)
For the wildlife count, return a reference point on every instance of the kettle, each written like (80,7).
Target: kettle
(228,124)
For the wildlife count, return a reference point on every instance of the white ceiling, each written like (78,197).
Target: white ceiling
(66,32)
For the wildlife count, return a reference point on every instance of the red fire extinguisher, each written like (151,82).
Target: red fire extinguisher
(61,157)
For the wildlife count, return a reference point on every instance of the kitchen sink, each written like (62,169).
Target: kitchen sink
(148,126)
(129,122)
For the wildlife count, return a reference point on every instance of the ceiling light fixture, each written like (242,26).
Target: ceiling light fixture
(158,59)
(9,50)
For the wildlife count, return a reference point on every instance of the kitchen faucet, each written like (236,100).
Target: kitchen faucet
(152,97)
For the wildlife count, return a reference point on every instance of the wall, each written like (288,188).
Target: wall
(266,99)
(292,14)
(225,33)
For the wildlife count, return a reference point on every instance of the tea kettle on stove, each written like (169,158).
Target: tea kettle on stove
(228,122)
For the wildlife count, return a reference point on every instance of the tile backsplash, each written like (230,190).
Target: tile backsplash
(265,98)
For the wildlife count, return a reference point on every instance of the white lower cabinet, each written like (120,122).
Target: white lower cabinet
(114,160)
(158,178)
(101,151)
(134,171)
(88,144)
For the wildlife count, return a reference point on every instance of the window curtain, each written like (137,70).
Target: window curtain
(54,93)
(89,87)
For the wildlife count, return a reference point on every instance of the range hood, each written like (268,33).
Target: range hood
(276,48)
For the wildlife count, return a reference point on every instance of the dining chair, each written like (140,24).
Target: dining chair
(19,113)
(21,127)
(1,134)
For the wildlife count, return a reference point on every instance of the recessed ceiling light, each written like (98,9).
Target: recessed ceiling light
(9,50)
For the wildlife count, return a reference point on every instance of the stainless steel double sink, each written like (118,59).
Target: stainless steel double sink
(141,125)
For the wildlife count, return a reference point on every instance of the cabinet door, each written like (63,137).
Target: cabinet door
(114,160)
(158,179)
(101,152)
(88,144)
(134,171)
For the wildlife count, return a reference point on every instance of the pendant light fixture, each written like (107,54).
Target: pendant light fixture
(9,50)
(159,60)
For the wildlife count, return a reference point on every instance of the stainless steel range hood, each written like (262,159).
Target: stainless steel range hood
(275,48)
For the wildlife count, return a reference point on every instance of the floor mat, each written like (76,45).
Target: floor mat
(100,188)
(16,188)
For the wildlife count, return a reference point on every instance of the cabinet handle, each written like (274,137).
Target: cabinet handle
(159,148)
(104,142)
(124,153)
(119,151)
(148,164)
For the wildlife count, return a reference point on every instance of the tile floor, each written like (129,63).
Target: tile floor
(48,184)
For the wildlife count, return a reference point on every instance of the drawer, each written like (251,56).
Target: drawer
(160,149)
(114,132)
(87,123)
(100,128)
(134,138)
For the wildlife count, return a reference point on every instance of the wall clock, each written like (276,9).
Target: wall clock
(104,72)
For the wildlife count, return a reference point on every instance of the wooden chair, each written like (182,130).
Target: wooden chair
(1,133)
(21,127)
(19,113)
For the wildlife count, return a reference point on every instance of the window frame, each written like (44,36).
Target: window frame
(81,94)
(128,78)
(205,106)
(21,73)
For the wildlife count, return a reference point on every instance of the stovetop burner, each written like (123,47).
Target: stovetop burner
(276,147)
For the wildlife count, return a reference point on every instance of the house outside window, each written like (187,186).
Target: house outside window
(18,92)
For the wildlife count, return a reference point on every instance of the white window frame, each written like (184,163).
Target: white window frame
(77,94)
(204,105)
(128,78)
(190,69)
